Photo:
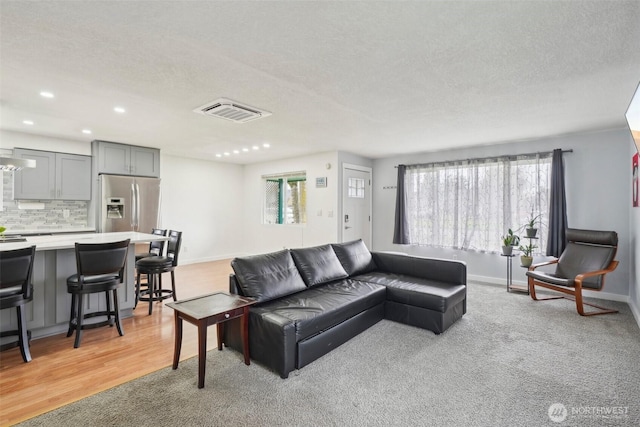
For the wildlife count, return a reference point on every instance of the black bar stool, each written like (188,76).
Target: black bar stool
(153,267)
(155,248)
(16,290)
(100,269)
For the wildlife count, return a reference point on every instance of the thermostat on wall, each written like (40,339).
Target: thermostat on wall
(321,182)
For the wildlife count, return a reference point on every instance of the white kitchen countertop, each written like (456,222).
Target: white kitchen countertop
(67,241)
(14,231)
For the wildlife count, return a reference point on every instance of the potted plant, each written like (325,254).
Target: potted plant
(530,226)
(509,240)
(2,230)
(527,250)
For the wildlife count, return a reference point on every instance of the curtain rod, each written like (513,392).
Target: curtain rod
(485,158)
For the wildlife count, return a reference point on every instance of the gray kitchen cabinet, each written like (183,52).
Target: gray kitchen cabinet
(73,177)
(57,176)
(37,183)
(122,159)
(145,161)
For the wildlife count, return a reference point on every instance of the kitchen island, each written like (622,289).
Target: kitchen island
(55,260)
(13,231)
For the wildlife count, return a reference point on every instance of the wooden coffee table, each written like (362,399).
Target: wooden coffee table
(211,309)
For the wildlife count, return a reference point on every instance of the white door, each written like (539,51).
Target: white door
(356,204)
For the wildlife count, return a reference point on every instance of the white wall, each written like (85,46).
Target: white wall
(598,185)
(634,235)
(10,140)
(320,228)
(204,200)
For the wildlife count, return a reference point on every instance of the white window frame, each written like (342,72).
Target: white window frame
(282,214)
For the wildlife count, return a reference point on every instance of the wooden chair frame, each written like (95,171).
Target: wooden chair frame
(575,291)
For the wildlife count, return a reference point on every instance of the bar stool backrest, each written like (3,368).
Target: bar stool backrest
(16,267)
(173,246)
(95,259)
(157,247)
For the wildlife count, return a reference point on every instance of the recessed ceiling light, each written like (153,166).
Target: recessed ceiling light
(46,94)
(86,131)
(28,122)
(119,110)
(227,153)
(255,147)
(218,155)
(245,150)
(266,145)
(236,151)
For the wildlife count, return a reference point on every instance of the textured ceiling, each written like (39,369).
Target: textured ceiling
(373,78)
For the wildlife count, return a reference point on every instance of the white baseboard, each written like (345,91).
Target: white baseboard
(607,296)
(187,261)
(589,294)
(635,311)
(493,280)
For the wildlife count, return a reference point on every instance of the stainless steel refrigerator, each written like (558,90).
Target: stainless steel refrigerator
(128,203)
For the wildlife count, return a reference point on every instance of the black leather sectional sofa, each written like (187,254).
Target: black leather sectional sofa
(312,300)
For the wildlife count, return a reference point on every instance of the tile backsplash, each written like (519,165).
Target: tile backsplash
(51,217)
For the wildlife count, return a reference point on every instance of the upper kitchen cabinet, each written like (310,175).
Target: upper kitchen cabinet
(37,183)
(73,177)
(121,159)
(145,161)
(57,176)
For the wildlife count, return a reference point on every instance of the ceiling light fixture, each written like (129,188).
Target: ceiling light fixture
(119,110)
(86,131)
(218,155)
(246,150)
(236,152)
(46,94)
(266,145)
(227,153)
(255,147)
(28,122)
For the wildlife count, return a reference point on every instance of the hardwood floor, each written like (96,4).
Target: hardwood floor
(60,374)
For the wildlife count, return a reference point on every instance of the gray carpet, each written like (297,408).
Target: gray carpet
(503,364)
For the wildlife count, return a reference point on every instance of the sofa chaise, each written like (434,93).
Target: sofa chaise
(311,300)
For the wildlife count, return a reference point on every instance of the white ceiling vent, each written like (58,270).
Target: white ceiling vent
(230,110)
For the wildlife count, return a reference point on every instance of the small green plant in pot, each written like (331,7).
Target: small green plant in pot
(530,226)
(2,230)
(509,240)
(526,259)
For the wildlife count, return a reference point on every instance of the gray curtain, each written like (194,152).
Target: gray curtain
(557,239)
(401,228)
